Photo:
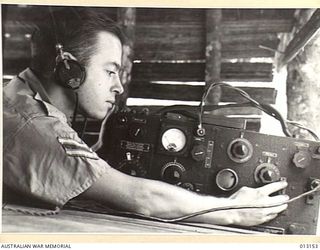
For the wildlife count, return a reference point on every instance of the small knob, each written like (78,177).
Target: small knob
(267,176)
(301,159)
(198,152)
(188,186)
(239,150)
(122,119)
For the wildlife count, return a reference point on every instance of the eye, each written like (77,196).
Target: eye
(110,72)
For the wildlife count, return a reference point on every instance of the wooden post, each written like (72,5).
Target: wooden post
(303,87)
(127,19)
(213,53)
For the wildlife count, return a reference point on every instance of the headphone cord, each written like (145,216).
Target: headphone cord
(75,111)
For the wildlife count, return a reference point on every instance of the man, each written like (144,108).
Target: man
(46,163)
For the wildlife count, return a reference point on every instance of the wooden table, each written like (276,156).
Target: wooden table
(80,221)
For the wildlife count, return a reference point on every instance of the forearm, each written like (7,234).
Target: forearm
(162,200)
(157,199)
(167,201)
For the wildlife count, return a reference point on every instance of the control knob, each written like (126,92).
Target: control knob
(266,173)
(132,166)
(240,150)
(301,159)
(172,172)
(198,152)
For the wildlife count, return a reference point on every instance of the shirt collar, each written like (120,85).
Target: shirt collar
(40,93)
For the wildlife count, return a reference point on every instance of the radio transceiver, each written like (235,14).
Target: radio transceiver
(217,159)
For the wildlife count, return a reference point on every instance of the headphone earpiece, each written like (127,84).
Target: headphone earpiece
(68,72)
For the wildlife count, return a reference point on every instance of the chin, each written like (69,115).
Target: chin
(97,115)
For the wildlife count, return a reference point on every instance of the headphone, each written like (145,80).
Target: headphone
(68,72)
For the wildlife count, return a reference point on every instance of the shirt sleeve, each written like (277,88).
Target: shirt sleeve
(47,160)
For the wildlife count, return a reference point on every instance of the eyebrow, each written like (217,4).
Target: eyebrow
(114,64)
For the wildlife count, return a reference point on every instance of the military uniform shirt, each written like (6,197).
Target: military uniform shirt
(43,157)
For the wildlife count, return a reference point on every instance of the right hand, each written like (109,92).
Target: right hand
(261,197)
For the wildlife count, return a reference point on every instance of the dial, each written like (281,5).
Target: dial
(301,159)
(173,140)
(240,150)
(227,179)
(172,172)
(266,173)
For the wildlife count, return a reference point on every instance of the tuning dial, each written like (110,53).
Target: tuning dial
(227,179)
(266,173)
(198,152)
(301,159)
(240,150)
(172,172)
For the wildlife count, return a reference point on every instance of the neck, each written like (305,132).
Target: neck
(62,98)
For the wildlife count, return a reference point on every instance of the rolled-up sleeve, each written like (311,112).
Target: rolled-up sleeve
(47,160)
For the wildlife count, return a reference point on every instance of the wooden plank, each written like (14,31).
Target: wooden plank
(194,93)
(228,27)
(157,41)
(195,72)
(247,72)
(213,53)
(254,13)
(305,34)
(193,15)
(91,222)
(170,15)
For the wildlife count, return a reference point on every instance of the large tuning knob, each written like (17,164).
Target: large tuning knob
(172,172)
(266,173)
(240,150)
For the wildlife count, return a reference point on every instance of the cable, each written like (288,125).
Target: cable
(305,128)
(102,208)
(75,111)
(99,142)
(268,109)
(182,218)
(84,127)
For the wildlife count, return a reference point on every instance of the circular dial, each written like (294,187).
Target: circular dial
(173,140)
(172,172)
(301,159)
(266,173)
(227,179)
(240,150)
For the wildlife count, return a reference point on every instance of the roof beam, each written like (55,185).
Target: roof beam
(301,39)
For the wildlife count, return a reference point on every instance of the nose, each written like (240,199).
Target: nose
(117,86)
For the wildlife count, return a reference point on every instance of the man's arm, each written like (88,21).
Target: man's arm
(162,200)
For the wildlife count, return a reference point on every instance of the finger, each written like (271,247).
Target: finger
(278,199)
(271,217)
(276,210)
(273,187)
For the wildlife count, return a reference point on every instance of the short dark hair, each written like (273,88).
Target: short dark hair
(76,28)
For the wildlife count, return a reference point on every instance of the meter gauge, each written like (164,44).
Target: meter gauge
(173,140)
